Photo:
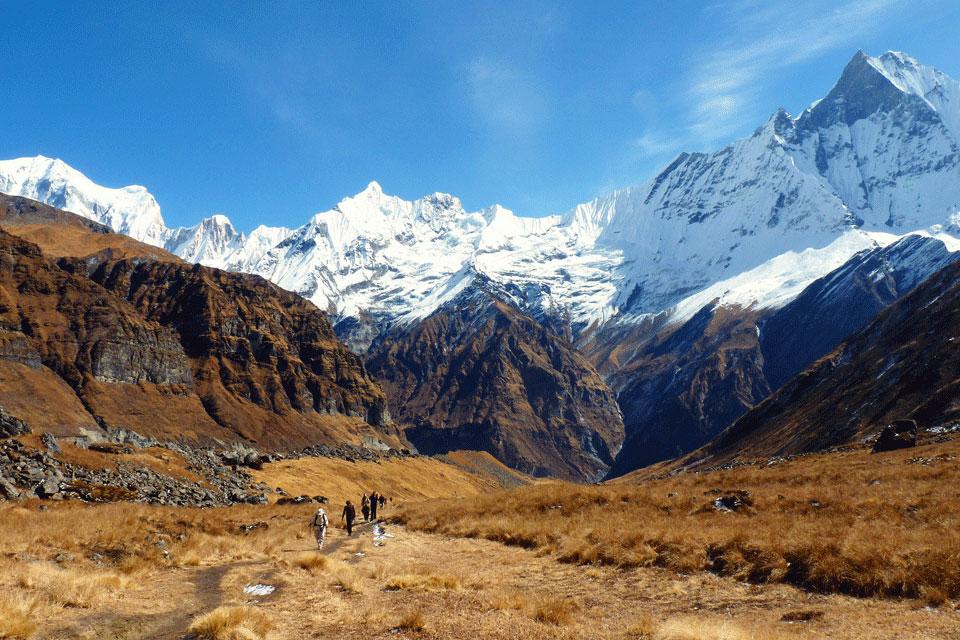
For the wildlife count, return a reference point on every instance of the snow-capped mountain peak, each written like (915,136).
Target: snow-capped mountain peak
(131,210)
(878,156)
(207,242)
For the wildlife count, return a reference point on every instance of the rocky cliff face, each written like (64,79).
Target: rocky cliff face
(262,358)
(149,343)
(479,374)
(52,318)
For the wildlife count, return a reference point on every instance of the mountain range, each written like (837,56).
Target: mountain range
(636,326)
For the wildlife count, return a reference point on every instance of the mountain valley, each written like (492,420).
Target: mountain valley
(629,330)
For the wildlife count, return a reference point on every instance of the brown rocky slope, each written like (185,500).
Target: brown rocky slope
(904,364)
(480,374)
(131,337)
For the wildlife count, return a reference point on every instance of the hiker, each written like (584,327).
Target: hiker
(365,508)
(383,501)
(373,506)
(320,522)
(349,513)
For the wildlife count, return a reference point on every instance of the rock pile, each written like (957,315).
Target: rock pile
(27,472)
(40,472)
(350,453)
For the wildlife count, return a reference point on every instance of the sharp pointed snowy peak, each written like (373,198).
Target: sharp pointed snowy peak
(130,210)
(210,243)
(877,153)
(864,87)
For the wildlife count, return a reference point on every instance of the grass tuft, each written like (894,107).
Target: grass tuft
(555,611)
(231,623)
(313,562)
(412,621)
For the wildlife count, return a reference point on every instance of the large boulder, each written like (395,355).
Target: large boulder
(902,434)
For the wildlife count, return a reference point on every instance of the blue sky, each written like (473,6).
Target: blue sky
(269,112)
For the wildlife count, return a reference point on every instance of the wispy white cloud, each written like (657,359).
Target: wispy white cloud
(282,81)
(651,144)
(724,82)
(503,97)
(729,78)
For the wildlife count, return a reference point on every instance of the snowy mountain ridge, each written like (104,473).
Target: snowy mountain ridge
(750,224)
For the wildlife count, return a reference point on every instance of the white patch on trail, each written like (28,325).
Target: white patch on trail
(259,589)
(380,535)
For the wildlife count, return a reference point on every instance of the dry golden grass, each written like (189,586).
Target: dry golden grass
(341,575)
(700,629)
(128,571)
(853,523)
(18,614)
(401,479)
(555,611)
(68,587)
(642,628)
(460,588)
(346,578)
(232,623)
(413,581)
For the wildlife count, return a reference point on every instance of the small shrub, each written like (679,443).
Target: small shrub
(412,621)
(555,611)
(70,587)
(17,614)
(315,563)
(933,597)
(423,583)
(643,628)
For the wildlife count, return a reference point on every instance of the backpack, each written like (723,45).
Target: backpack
(320,520)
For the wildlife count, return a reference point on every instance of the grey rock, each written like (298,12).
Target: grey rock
(50,442)
(48,488)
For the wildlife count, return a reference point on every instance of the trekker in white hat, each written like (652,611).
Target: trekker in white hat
(320,523)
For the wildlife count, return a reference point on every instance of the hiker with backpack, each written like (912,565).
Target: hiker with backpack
(365,507)
(320,522)
(373,506)
(349,513)
(383,501)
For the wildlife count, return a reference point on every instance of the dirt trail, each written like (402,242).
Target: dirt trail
(192,591)
(482,589)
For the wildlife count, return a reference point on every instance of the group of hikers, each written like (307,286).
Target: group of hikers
(369,506)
